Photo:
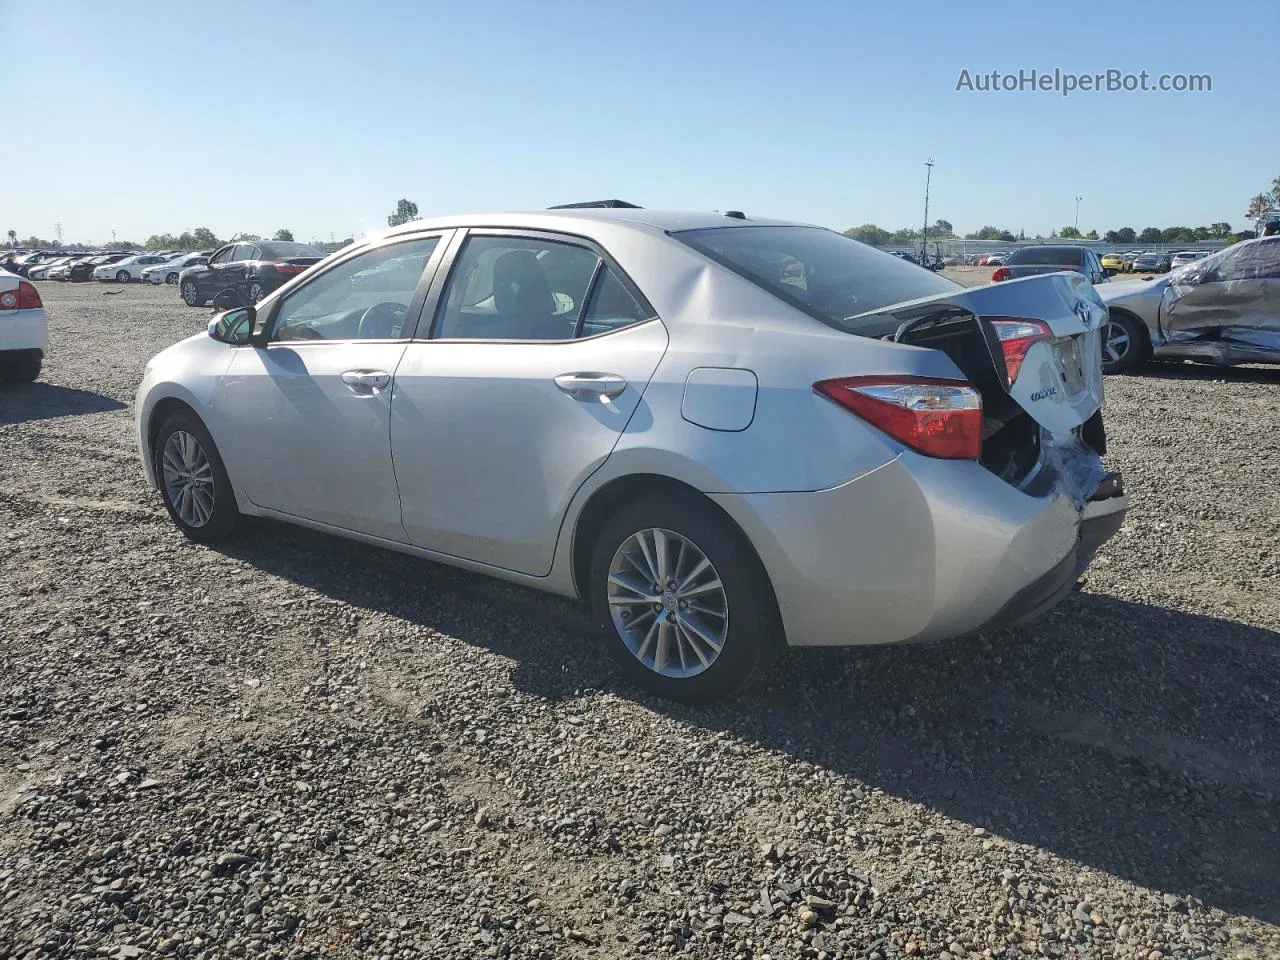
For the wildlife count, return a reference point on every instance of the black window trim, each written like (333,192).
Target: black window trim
(551,236)
(447,236)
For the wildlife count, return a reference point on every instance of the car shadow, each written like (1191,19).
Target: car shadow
(25,402)
(1134,739)
(1187,370)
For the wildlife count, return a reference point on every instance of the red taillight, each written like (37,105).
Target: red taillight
(289,268)
(26,297)
(1004,273)
(1017,336)
(939,418)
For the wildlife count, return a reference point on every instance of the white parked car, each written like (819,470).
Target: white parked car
(124,271)
(24,329)
(167,272)
(725,434)
(1184,257)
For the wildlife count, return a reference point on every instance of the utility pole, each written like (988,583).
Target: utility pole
(57,229)
(924,234)
(1078,199)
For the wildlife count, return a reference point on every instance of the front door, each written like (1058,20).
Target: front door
(310,412)
(538,358)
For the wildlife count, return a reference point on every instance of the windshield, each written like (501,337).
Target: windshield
(287,250)
(827,275)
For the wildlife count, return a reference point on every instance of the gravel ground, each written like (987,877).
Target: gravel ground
(299,747)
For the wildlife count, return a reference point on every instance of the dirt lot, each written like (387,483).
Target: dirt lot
(299,747)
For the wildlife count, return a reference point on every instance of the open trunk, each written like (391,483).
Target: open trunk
(1055,393)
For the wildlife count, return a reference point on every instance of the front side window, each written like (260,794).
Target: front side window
(831,277)
(364,298)
(222,256)
(245,251)
(515,288)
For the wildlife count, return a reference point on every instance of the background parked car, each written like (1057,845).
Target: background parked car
(252,269)
(1184,257)
(1220,309)
(130,266)
(1030,261)
(1114,263)
(24,329)
(86,269)
(1151,262)
(38,270)
(168,270)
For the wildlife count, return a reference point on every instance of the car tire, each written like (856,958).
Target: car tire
(1123,343)
(20,366)
(122,276)
(725,597)
(171,278)
(193,481)
(191,295)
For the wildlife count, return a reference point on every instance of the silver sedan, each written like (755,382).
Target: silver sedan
(727,435)
(1222,309)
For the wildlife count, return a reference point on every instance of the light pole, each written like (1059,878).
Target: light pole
(924,234)
(1078,199)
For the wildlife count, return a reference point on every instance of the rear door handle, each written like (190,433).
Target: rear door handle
(366,381)
(591,386)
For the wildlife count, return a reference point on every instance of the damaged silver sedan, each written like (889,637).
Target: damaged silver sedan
(1223,309)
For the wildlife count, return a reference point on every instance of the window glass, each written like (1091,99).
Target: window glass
(829,276)
(513,288)
(611,306)
(222,256)
(245,251)
(1047,256)
(365,298)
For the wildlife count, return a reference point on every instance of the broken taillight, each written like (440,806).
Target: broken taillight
(1017,335)
(939,418)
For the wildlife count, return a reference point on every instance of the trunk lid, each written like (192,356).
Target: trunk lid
(1059,383)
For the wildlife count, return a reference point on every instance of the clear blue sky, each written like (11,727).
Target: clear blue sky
(318,116)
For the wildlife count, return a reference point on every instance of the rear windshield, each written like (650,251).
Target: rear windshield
(286,250)
(827,275)
(1070,256)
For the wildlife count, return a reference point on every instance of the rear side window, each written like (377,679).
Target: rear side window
(827,275)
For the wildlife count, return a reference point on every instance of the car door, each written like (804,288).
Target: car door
(306,416)
(1222,293)
(212,281)
(536,359)
(236,272)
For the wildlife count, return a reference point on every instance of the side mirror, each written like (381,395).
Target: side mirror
(234,327)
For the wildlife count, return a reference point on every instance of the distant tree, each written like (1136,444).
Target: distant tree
(991,233)
(1275,190)
(406,210)
(942,229)
(869,233)
(284,235)
(1069,233)
(1220,231)
(1259,205)
(1022,234)
(162,241)
(121,245)
(1150,235)
(1091,235)
(202,238)
(13,238)
(1237,237)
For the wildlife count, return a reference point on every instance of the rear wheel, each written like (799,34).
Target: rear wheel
(20,366)
(193,481)
(256,292)
(171,278)
(1123,345)
(122,276)
(191,294)
(685,606)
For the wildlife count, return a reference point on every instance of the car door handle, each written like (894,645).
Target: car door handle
(591,386)
(366,381)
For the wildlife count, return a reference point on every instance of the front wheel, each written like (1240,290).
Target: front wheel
(191,294)
(122,276)
(171,278)
(193,481)
(256,292)
(1123,346)
(685,606)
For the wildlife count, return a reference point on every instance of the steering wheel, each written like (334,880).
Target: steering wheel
(383,321)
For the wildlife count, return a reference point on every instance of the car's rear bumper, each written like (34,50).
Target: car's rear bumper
(24,330)
(919,549)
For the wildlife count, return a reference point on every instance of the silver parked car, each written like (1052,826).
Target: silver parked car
(1222,309)
(725,434)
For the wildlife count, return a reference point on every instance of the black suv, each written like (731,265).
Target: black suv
(252,268)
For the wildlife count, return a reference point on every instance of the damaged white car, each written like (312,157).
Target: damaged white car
(727,435)
(1222,309)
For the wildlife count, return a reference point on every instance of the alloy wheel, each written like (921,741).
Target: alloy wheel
(255,293)
(188,478)
(667,603)
(122,276)
(189,294)
(1116,342)
(171,278)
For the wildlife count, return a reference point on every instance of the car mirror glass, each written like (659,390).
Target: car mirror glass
(234,327)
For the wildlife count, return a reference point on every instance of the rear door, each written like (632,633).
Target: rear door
(516,390)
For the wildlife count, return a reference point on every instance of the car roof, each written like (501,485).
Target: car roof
(650,221)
